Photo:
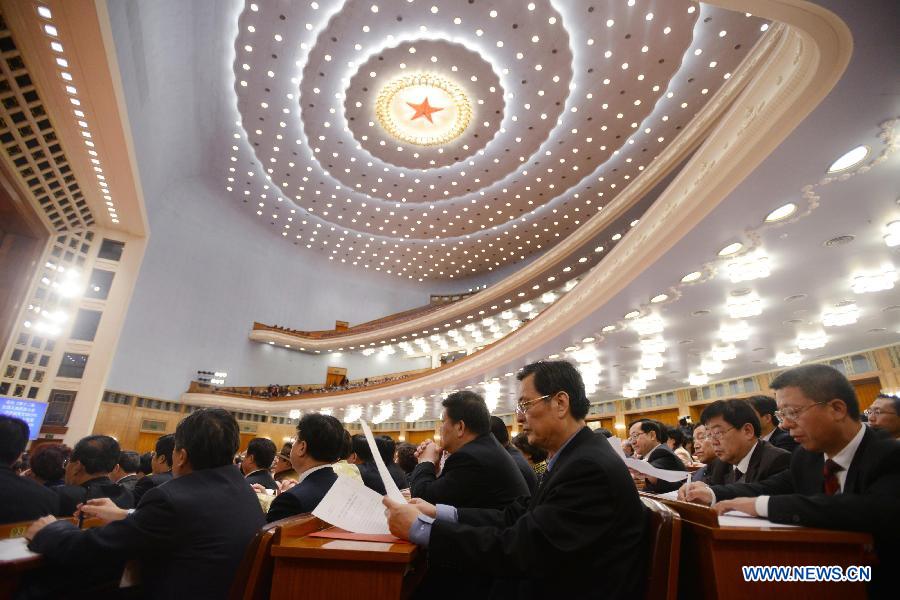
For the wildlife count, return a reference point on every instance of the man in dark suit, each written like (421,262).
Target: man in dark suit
(501,434)
(585,518)
(188,535)
(845,476)
(648,438)
(125,472)
(362,457)
(257,462)
(479,473)
(733,427)
(318,446)
(765,408)
(21,498)
(705,453)
(87,475)
(160,465)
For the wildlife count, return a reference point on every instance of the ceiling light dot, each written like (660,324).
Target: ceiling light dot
(781,212)
(849,160)
(731,249)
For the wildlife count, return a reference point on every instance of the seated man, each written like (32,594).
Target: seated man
(21,498)
(844,476)
(765,408)
(586,517)
(648,438)
(188,535)
(258,461)
(283,469)
(87,475)
(386,448)
(318,445)
(160,466)
(125,472)
(883,415)
(479,473)
(706,454)
(733,428)
(501,434)
(361,457)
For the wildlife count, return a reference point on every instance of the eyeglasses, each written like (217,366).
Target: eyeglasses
(635,436)
(522,406)
(792,413)
(877,412)
(716,434)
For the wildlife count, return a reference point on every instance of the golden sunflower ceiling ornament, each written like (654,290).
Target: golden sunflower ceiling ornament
(423,109)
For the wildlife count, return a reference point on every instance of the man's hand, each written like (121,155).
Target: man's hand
(101,508)
(285,485)
(696,491)
(745,505)
(426,508)
(400,517)
(430,453)
(36,527)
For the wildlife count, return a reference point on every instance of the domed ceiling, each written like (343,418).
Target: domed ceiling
(429,139)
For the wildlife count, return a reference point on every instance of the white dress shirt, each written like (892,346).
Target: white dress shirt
(768,436)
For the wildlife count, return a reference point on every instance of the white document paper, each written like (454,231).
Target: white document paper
(673,495)
(393,492)
(644,467)
(736,518)
(15,549)
(352,506)
(616,444)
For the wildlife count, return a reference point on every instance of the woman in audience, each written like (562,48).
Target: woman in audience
(283,469)
(48,464)
(675,442)
(405,457)
(536,457)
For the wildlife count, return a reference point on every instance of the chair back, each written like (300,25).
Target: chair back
(253,578)
(664,550)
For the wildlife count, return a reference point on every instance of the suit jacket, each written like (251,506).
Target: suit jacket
(263,478)
(585,518)
(782,439)
(869,501)
(481,474)
(23,498)
(70,496)
(148,482)
(372,479)
(128,482)
(398,475)
(766,460)
(188,536)
(662,457)
(303,497)
(525,469)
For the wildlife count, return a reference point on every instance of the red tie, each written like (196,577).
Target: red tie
(830,470)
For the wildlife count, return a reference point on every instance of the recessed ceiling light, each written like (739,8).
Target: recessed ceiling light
(839,240)
(659,298)
(700,313)
(608,328)
(633,314)
(731,249)
(849,160)
(587,340)
(795,297)
(782,212)
(691,277)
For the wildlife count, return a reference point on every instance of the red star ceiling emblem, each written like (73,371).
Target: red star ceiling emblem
(423,110)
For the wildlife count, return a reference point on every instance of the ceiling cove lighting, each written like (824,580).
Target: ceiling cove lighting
(748,267)
(892,237)
(782,212)
(734,332)
(788,359)
(864,283)
(649,325)
(840,316)
(741,307)
(849,160)
(698,379)
(731,249)
(812,341)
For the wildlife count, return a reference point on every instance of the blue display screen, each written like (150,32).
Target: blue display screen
(30,411)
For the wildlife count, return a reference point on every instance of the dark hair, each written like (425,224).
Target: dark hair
(386,446)
(765,405)
(263,452)
(346,446)
(48,461)
(145,467)
(604,432)
(735,412)
(361,448)
(210,436)
(648,425)
(892,398)
(129,461)
(164,447)
(498,429)
(469,408)
(820,383)
(551,377)
(13,439)
(97,453)
(323,434)
(406,457)
(536,454)
(676,434)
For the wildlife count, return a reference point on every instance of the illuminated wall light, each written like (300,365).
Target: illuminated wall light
(736,332)
(788,359)
(741,307)
(294,414)
(840,316)
(492,395)
(748,267)
(849,160)
(812,341)
(417,410)
(892,237)
(352,413)
(698,379)
(388,350)
(326,411)
(368,352)
(864,283)
(548,298)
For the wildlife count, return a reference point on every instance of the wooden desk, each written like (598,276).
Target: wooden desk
(312,568)
(712,557)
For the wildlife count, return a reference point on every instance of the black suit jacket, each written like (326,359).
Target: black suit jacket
(188,536)
(372,479)
(585,518)
(662,457)
(23,498)
(148,482)
(303,497)
(128,482)
(263,478)
(782,439)
(524,468)
(70,496)
(481,474)
(766,460)
(869,502)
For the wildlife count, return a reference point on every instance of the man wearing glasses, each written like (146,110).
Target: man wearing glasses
(845,476)
(648,438)
(585,517)
(883,414)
